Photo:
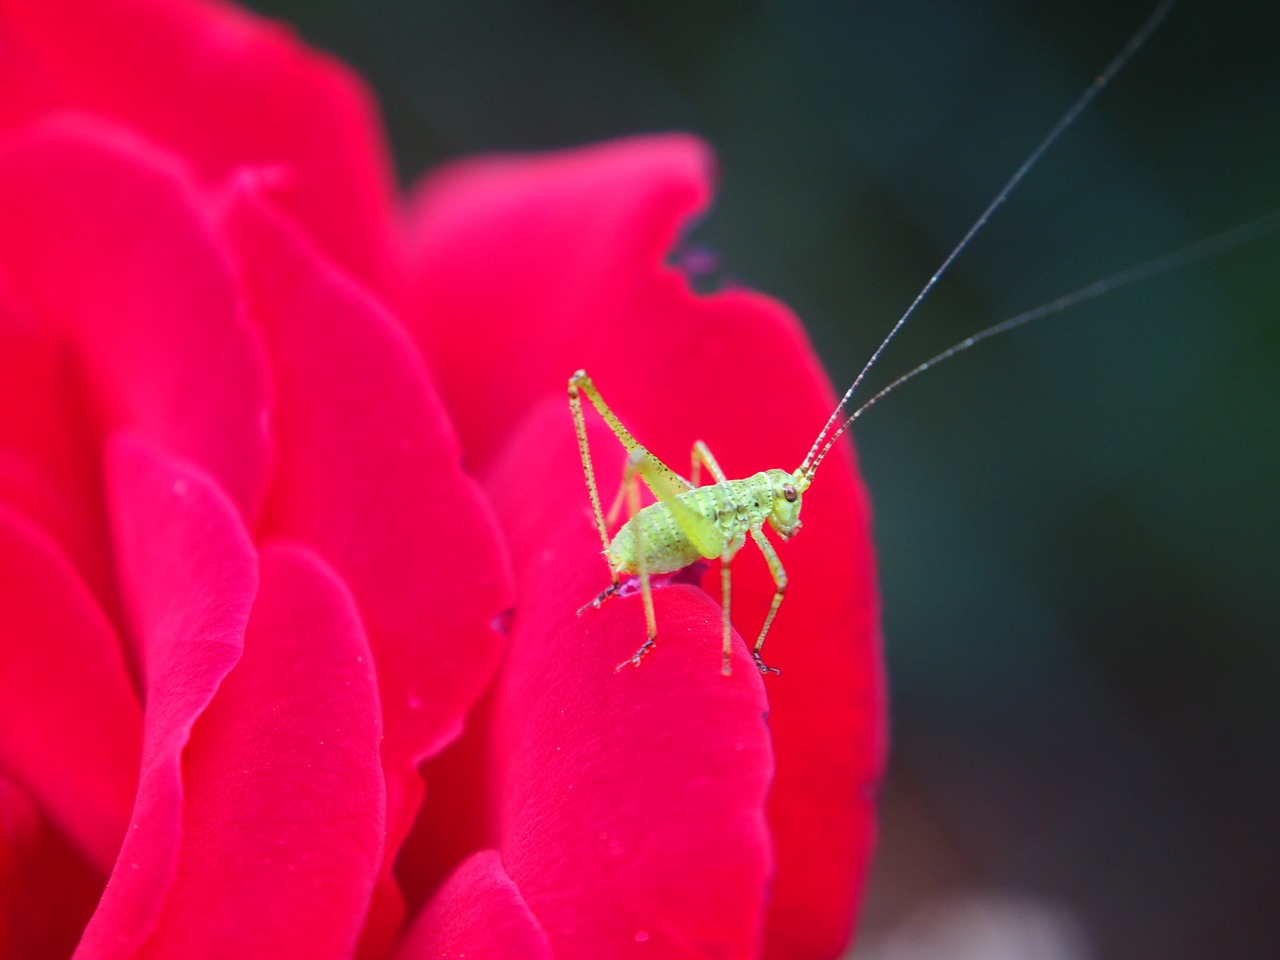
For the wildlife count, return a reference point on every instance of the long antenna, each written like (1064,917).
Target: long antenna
(1099,83)
(1203,250)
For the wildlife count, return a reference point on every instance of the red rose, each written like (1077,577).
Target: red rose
(251,602)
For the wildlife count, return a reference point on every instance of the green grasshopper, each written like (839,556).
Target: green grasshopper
(690,522)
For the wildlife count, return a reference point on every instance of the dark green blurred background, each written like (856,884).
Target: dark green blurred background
(1077,524)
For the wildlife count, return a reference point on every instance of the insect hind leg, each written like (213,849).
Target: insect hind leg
(577,382)
(664,483)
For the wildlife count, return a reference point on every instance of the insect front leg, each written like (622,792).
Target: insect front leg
(780,588)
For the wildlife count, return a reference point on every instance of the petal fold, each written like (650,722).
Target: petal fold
(518,263)
(48,890)
(70,723)
(368,473)
(478,914)
(110,246)
(223,88)
(188,575)
(283,820)
(49,446)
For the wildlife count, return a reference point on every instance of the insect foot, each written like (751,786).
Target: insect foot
(601,597)
(635,658)
(764,667)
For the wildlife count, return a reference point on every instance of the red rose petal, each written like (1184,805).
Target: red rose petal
(49,461)
(558,262)
(828,719)
(107,244)
(368,473)
(63,665)
(453,821)
(224,89)
(478,913)
(283,819)
(630,804)
(188,576)
(47,889)
(531,260)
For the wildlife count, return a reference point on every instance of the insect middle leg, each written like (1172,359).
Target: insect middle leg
(700,457)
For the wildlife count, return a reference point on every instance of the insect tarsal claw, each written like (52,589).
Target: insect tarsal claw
(765,668)
(635,658)
(601,597)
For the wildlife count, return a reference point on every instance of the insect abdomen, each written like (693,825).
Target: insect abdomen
(666,547)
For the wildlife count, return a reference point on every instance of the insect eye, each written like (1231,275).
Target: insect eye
(789,492)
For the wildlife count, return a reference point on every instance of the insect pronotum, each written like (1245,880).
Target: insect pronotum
(690,522)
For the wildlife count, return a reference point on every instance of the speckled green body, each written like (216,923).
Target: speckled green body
(735,506)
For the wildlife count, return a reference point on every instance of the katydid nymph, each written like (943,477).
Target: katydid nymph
(692,522)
